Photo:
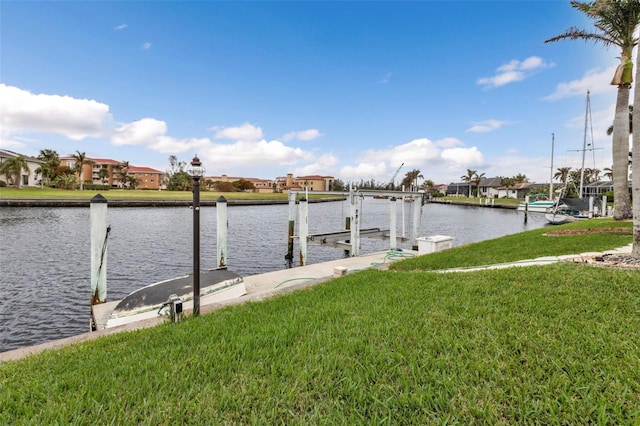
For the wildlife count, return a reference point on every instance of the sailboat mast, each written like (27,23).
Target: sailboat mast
(551,175)
(584,145)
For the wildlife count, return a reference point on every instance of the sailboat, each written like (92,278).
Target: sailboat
(543,203)
(570,209)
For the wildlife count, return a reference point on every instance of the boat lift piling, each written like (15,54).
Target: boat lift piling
(292,224)
(304,230)
(393,243)
(222,226)
(417,215)
(349,238)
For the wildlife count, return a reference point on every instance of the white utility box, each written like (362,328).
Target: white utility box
(434,243)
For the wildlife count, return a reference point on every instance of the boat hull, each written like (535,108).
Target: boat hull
(217,285)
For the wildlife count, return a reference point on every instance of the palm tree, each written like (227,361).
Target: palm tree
(123,173)
(411,178)
(469,178)
(103,174)
(477,178)
(615,23)
(562,174)
(608,173)
(81,160)
(610,128)
(47,169)
(12,168)
(635,159)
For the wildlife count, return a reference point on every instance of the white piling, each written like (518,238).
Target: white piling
(417,218)
(393,242)
(304,230)
(591,200)
(604,206)
(99,239)
(354,207)
(292,225)
(222,226)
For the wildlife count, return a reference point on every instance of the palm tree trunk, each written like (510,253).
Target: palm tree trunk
(620,152)
(635,160)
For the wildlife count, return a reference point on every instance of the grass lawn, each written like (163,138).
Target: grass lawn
(126,194)
(603,234)
(555,344)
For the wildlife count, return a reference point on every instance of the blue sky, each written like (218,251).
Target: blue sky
(348,89)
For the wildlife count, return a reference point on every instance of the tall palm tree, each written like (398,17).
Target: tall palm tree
(469,178)
(81,160)
(103,174)
(12,168)
(562,174)
(411,178)
(477,178)
(48,169)
(610,128)
(123,173)
(608,173)
(615,22)
(635,159)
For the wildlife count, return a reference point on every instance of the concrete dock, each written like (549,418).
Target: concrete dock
(258,287)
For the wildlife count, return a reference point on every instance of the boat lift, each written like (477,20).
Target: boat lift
(349,238)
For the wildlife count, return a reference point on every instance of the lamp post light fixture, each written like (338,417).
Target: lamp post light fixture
(196,170)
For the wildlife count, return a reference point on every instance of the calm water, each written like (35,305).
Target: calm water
(45,252)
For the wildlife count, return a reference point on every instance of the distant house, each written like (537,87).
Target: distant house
(146,177)
(600,188)
(440,188)
(300,183)
(518,190)
(260,185)
(490,187)
(458,189)
(29,178)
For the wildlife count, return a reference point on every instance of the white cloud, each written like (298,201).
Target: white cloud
(594,80)
(320,166)
(463,157)
(513,71)
(249,153)
(146,45)
(376,170)
(449,142)
(25,112)
(486,126)
(245,132)
(120,27)
(141,132)
(303,135)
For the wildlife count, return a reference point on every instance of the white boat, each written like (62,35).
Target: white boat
(536,206)
(217,285)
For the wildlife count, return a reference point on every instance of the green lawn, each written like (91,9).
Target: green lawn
(555,344)
(528,245)
(120,194)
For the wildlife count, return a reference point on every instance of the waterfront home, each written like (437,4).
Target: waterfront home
(27,178)
(310,183)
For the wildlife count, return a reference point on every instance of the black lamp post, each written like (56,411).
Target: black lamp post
(196,170)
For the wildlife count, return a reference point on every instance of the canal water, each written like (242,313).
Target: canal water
(45,252)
